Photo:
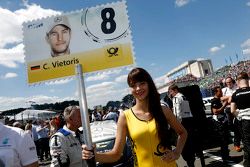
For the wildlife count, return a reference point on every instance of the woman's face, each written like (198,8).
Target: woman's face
(140,90)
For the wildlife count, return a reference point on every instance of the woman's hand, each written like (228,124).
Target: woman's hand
(170,156)
(87,153)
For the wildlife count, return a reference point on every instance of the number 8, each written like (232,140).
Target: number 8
(110,20)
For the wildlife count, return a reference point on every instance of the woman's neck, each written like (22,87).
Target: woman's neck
(142,105)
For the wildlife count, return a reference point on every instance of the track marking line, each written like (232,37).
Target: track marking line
(217,158)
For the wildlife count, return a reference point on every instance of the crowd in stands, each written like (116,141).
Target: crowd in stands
(216,78)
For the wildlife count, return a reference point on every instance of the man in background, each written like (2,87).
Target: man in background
(112,114)
(43,135)
(219,115)
(240,107)
(17,148)
(65,144)
(233,123)
(182,111)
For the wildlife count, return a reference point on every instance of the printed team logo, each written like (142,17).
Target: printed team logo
(160,151)
(133,145)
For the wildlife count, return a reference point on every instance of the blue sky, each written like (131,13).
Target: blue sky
(165,34)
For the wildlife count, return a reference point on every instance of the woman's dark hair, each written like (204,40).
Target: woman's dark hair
(155,109)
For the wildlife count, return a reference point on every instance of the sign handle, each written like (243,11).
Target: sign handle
(84,113)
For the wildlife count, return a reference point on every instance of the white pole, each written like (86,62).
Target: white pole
(84,113)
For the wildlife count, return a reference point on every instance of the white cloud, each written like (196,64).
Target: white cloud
(41,99)
(246,51)
(11,31)
(246,47)
(24,102)
(9,75)
(102,97)
(248,3)
(10,57)
(113,71)
(245,44)
(122,78)
(215,49)
(102,87)
(160,81)
(103,75)
(59,82)
(100,94)
(97,77)
(180,3)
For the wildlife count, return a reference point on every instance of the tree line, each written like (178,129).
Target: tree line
(60,106)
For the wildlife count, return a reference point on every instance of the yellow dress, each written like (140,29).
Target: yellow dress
(145,142)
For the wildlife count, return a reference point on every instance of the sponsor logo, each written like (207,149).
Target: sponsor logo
(5,141)
(34,25)
(112,51)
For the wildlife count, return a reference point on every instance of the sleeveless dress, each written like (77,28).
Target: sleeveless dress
(145,143)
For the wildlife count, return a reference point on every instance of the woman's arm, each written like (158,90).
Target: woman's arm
(179,129)
(120,141)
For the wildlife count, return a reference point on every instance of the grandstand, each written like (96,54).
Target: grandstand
(198,68)
(188,71)
(207,82)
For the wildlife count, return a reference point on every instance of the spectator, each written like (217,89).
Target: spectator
(166,101)
(53,126)
(42,133)
(112,115)
(232,123)
(17,148)
(28,129)
(240,107)
(183,113)
(35,136)
(96,116)
(65,144)
(17,124)
(217,108)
